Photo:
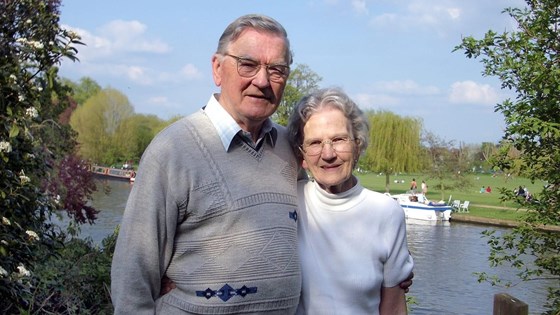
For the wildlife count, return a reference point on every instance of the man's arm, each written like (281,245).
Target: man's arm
(142,251)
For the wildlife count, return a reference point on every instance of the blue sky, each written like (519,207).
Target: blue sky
(393,55)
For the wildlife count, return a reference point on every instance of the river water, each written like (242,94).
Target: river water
(445,254)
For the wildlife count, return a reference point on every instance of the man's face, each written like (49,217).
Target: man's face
(250,100)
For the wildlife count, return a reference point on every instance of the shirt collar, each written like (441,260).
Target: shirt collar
(227,128)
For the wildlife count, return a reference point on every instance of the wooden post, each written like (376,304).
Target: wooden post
(505,304)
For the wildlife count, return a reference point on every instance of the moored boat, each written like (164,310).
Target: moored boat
(116,173)
(417,206)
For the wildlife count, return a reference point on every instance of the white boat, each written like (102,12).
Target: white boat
(417,206)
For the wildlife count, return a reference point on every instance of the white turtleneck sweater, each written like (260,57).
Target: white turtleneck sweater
(351,245)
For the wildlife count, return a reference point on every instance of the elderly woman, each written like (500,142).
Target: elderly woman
(352,241)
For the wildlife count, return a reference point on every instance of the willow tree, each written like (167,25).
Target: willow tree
(135,133)
(97,122)
(394,144)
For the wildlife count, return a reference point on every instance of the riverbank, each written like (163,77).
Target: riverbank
(467,218)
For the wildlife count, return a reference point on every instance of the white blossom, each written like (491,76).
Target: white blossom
(4,242)
(13,78)
(73,34)
(5,146)
(31,112)
(6,221)
(21,98)
(36,44)
(22,271)
(3,272)
(24,179)
(28,21)
(32,235)
(30,156)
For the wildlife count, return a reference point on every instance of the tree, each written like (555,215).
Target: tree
(487,150)
(527,61)
(98,122)
(302,81)
(84,89)
(446,165)
(135,134)
(394,144)
(37,165)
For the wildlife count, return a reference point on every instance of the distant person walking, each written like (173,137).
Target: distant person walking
(413,185)
(424,187)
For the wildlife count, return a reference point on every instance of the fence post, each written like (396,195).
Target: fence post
(505,304)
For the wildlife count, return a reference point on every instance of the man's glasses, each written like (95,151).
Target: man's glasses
(249,68)
(339,145)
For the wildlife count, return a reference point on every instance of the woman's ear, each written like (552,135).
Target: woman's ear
(304,164)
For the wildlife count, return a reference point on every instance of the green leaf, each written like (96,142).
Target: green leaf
(14,131)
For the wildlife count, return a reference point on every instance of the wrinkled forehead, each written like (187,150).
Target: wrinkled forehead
(267,43)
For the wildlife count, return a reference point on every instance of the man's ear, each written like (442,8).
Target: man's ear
(217,69)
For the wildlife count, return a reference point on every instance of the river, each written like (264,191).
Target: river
(445,254)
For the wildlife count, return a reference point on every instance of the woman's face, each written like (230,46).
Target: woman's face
(331,167)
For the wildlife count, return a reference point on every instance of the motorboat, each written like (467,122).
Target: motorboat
(417,206)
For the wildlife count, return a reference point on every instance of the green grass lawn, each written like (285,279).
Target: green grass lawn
(481,204)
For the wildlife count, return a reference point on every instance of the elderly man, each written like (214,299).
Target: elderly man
(213,207)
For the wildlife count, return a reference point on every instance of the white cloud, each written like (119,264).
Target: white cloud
(136,74)
(130,36)
(158,100)
(360,7)
(375,101)
(115,38)
(432,15)
(190,71)
(405,87)
(469,92)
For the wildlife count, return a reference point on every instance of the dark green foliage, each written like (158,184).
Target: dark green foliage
(527,61)
(33,144)
(75,279)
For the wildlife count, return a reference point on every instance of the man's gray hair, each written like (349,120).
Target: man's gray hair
(258,22)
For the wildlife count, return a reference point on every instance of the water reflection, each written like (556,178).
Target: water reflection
(446,255)
(111,203)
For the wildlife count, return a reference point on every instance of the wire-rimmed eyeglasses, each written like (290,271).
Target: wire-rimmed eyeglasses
(339,145)
(248,68)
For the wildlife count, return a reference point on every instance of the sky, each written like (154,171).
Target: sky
(393,55)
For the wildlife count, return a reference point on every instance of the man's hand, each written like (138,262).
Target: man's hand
(406,283)
(167,285)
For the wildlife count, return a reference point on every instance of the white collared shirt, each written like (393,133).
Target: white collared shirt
(228,128)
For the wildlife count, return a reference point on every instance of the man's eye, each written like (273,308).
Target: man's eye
(277,69)
(247,63)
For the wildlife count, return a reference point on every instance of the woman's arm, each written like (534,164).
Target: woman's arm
(393,301)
